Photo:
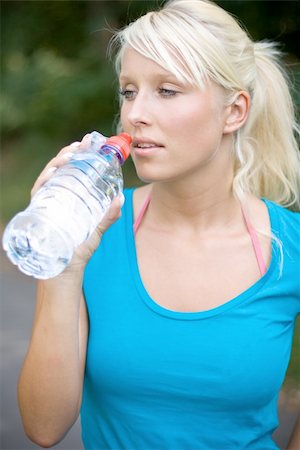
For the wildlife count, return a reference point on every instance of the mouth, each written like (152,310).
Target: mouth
(145,146)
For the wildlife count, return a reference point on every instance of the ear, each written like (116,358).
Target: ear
(237,113)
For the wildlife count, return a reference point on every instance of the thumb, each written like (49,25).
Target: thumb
(113,214)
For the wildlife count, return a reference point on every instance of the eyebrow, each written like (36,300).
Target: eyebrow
(167,76)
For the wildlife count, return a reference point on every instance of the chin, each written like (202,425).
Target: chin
(147,179)
(148,172)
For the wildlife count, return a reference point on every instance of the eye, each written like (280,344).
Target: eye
(128,94)
(167,92)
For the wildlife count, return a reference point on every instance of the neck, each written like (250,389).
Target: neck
(192,209)
(194,204)
(201,200)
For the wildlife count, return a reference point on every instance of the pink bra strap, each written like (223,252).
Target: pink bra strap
(256,244)
(253,235)
(140,216)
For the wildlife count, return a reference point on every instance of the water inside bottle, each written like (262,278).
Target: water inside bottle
(31,246)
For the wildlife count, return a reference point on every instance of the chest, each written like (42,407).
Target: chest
(227,360)
(196,275)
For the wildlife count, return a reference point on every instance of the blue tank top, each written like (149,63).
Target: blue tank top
(159,379)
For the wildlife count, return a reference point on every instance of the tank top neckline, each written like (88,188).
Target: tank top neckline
(251,230)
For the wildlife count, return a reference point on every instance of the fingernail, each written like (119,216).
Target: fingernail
(75,144)
(67,156)
(121,200)
(86,141)
(50,170)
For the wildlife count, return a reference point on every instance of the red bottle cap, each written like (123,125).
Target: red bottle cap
(122,142)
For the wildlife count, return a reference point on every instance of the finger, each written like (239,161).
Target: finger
(43,177)
(68,151)
(93,141)
(65,155)
(113,214)
(50,169)
(85,142)
(59,160)
(76,146)
(71,148)
(88,141)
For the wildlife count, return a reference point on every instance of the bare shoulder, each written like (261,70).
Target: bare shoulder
(258,214)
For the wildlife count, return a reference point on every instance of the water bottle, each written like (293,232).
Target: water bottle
(65,211)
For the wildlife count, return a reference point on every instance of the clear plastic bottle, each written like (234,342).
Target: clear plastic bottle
(65,211)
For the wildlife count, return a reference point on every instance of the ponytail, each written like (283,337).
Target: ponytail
(267,149)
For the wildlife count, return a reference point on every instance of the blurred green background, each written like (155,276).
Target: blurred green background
(57,83)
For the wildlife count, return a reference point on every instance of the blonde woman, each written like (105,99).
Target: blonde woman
(176,333)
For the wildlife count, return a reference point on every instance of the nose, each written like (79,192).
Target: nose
(138,110)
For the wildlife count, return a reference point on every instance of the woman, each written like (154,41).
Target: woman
(176,333)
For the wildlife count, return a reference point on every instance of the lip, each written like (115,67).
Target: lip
(143,151)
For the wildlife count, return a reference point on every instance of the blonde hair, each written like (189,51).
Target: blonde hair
(197,40)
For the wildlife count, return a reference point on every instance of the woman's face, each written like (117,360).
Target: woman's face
(177,129)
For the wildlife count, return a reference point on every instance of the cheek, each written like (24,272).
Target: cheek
(123,115)
(204,122)
(199,133)
(188,116)
(125,110)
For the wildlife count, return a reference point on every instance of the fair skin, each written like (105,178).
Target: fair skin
(193,212)
(193,227)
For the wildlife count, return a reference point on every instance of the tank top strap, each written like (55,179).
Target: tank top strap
(253,234)
(255,243)
(141,213)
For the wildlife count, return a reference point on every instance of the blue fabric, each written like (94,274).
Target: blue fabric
(158,379)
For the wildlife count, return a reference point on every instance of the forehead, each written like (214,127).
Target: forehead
(134,63)
(136,67)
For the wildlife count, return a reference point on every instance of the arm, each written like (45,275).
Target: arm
(294,443)
(51,379)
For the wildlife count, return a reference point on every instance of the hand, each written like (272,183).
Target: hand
(64,156)
(83,253)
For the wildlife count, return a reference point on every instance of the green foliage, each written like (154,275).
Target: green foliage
(53,95)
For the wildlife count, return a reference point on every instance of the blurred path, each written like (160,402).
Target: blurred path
(16,312)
